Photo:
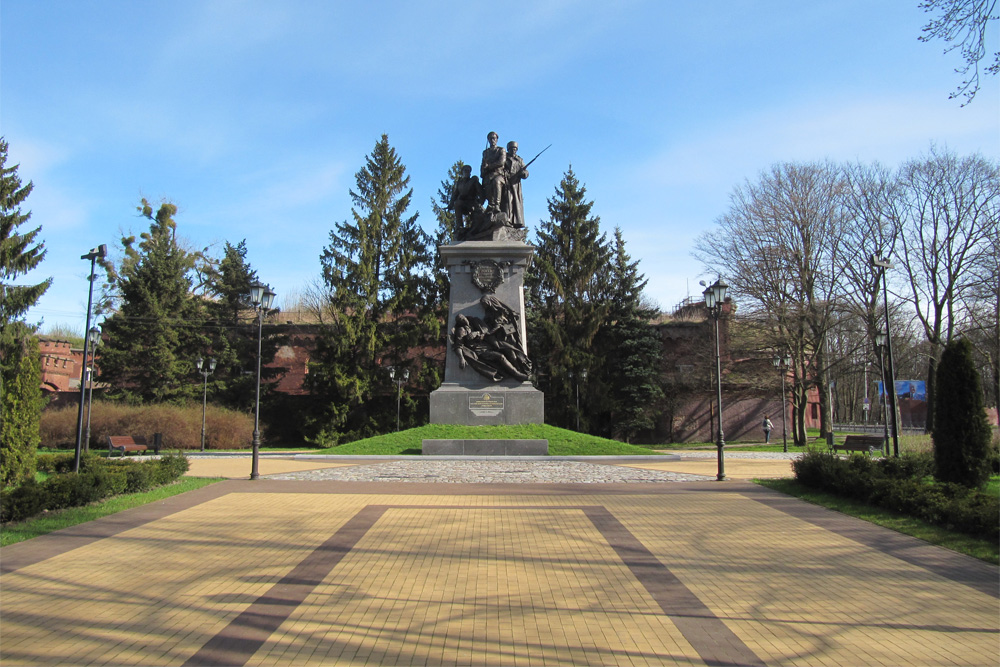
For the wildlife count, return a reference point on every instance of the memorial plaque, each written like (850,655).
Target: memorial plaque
(487,275)
(486,405)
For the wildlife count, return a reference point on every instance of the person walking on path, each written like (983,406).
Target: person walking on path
(767,430)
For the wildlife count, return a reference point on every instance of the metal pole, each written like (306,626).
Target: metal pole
(254,473)
(891,386)
(784,409)
(578,405)
(885,401)
(90,403)
(399,397)
(83,374)
(721,443)
(204,407)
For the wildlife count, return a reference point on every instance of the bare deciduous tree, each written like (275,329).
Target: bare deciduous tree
(948,214)
(779,244)
(962,25)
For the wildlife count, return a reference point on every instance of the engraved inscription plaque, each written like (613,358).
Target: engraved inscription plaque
(486,405)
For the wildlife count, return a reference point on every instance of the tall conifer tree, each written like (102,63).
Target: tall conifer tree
(232,331)
(377,272)
(566,297)
(20,397)
(155,334)
(20,251)
(631,348)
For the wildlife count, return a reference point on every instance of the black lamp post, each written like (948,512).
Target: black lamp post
(884,265)
(208,370)
(261,297)
(715,298)
(782,364)
(97,253)
(880,344)
(404,375)
(93,338)
(582,377)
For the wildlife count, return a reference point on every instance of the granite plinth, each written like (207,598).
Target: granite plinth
(510,259)
(486,447)
(487,405)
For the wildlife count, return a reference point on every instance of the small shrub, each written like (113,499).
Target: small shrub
(45,462)
(22,502)
(172,466)
(138,478)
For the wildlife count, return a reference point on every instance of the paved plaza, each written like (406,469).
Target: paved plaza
(424,565)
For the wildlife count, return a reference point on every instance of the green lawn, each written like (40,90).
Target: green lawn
(562,442)
(50,521)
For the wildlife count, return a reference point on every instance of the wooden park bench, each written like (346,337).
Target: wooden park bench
(867,444)
(133,443)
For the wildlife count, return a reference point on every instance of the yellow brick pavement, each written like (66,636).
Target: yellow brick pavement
(735,468)
(239,467)
(503,579)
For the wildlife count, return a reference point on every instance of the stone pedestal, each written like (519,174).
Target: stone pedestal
(478,268)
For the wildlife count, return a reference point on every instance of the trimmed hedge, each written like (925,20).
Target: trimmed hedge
(98,479)
(903,485)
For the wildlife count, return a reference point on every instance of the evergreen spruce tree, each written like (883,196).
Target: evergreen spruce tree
(377,272)
(21,404)
(631,349)
(567,308)
(20,397)
(232,331)
(19,250)
(445,233)
(155,334)
(961,433)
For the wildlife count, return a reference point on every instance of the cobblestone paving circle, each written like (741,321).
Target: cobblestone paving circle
(490,472)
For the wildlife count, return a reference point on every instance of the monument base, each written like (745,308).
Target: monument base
(486,447)
(490,405)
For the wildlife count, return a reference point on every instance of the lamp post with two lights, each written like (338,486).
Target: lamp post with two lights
(205,372)
(95,254)
(404,375)
(715,299)
(261,297)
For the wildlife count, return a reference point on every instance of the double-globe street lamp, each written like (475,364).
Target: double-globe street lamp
(95,254)
(782,363)
(715,299)
(261,296)
(205,372)
(404,375)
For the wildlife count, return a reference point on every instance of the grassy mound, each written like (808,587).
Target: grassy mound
(562,442)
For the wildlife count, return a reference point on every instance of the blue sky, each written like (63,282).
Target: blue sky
(253,117)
